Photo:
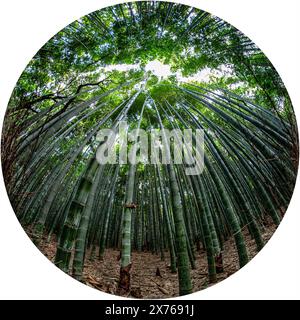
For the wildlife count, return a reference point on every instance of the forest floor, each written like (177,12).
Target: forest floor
(145,283)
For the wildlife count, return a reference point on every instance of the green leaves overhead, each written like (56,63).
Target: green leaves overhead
(92,75)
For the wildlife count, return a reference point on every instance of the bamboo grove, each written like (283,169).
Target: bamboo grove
(70,90)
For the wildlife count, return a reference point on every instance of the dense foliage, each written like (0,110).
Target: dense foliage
(92,75)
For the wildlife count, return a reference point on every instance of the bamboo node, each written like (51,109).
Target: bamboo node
(131,205)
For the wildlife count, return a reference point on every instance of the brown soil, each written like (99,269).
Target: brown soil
(150,276)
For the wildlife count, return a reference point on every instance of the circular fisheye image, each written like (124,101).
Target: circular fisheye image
(150,149)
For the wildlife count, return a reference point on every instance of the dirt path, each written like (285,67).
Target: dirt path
(103,275)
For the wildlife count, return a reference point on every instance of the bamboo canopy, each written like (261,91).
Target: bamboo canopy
(94,74)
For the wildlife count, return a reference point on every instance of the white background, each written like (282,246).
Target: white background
(26,25)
